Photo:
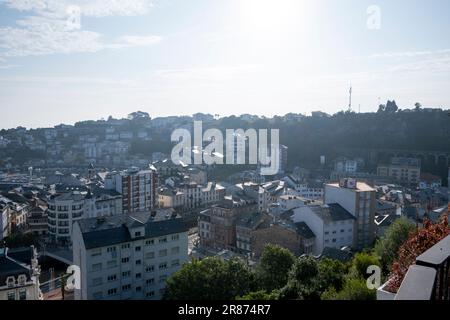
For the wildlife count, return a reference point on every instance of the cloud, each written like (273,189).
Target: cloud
(54,27)
(409,54)
(91,8)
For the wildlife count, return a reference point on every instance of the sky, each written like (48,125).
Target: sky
(62,61)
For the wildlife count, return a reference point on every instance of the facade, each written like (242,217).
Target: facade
(429,181)
(137,187)
(405,170)
(19,276)
(102,202)
(128,256)
(303,188)
(359,199)
(191,195)
(331,225)
(245,225)
(217,225)
(63,210)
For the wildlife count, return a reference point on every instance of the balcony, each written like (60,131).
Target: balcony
(429,278)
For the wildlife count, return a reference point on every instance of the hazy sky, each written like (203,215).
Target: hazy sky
(173,57)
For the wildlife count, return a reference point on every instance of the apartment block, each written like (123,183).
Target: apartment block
(128,256)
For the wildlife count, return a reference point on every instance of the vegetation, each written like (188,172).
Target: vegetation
(417,243)
(387,247)
(274,266)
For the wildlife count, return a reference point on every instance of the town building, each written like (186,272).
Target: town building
(429,181)
(19,274)
(137,187)
(404,170)
(305,188)
(359,199)
(331,225)
(128,256)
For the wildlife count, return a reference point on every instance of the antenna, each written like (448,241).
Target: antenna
(350,100)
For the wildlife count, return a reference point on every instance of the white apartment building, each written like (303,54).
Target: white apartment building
(190,195)
(4,220)
(128,256)
(307,189)
(359,199)
(332,225)
(63,210)
(66,208)
(137,187)
(19,276)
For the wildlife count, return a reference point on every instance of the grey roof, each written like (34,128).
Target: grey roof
(336,254)
(333,212)
(304,231)
(250,220)
(115,229)
(14,263)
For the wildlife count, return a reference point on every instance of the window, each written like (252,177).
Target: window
(138,262)
(175,237)
(137,234)
(150,281)
(150,242)
(97,281)
(96,267)
(149,268)
(126,274)
(175,262)
(112,264)
(162,278)
(111,249)
(112,291)
(23,294)
(163,253)
(342,230)
(125,260)
(126,246)
(162,240)
(138,289)
(150,294)
(334,240)
(149,255)
(137,249)
(138,275)
(112,277)
(126,287)
(12,295)
(175,250)
(97,252)
(163,266)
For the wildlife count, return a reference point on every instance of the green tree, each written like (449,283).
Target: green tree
(274,266)
(331,274)
(353,289)
(361,261)
(210,279)
(260,295)
(303,280)
(387,247)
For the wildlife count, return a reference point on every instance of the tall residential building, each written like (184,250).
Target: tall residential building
(19,274)
(63,210)
(66,208)
(128,256)
(405,170)
(137,187)
(359,199)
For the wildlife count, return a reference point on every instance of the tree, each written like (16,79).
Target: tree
(260,295)
(274,266)
(331,274)
(417,106)
(417,243)
(387,247)
(303,282)
(353,289)
(210,279)
(361,261)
